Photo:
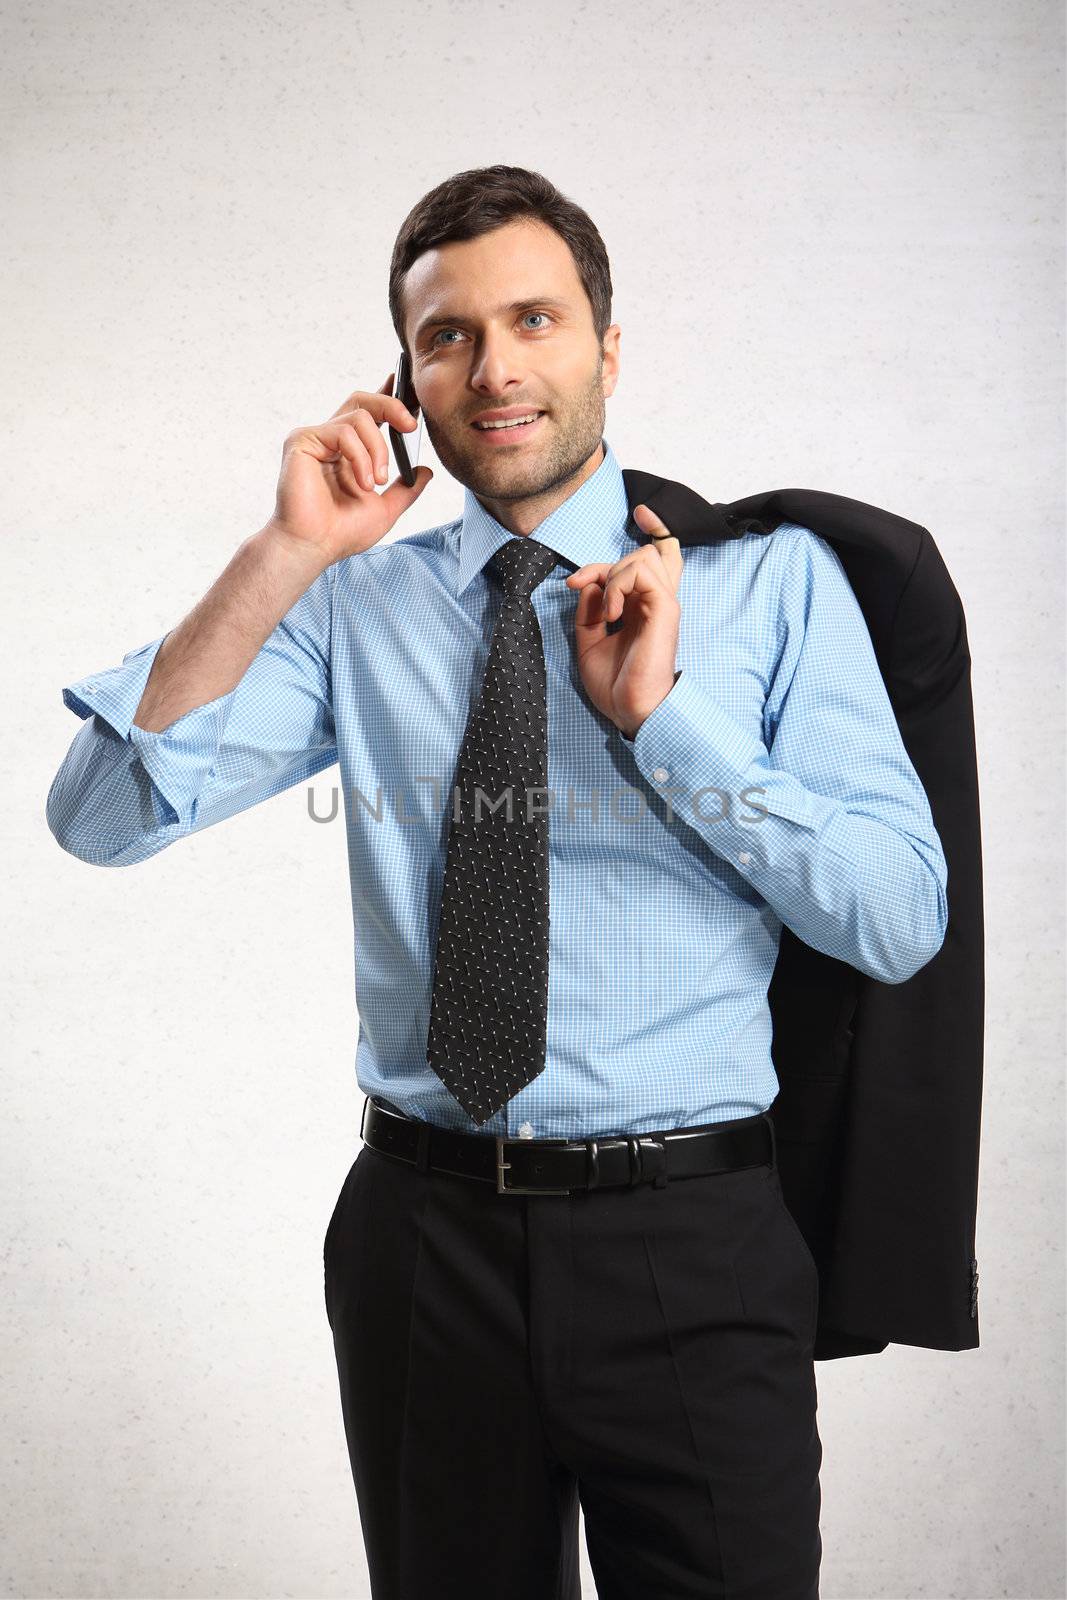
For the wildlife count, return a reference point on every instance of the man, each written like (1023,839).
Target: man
(560,1269)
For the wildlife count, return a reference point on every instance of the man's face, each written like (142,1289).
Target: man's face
(475,349)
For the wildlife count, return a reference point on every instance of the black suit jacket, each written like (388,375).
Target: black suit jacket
(878,1114)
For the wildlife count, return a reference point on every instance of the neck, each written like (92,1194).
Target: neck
(524,516)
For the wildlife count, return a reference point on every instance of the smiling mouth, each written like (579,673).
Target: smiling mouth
(513,433)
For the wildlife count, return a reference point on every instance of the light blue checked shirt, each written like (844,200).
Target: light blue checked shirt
(770,786)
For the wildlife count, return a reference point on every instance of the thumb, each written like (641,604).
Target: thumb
(398,496)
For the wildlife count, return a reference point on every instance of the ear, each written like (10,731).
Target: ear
(610,372)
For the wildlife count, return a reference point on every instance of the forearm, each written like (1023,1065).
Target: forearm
(209,652)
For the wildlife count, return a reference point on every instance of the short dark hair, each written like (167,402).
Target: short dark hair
(483,198)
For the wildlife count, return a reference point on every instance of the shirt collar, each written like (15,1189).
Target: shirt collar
(590,525)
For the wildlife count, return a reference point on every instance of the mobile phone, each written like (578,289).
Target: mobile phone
(406,445)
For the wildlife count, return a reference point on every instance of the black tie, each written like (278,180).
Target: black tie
(489,1010)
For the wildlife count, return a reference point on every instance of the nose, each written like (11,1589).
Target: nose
(497,368)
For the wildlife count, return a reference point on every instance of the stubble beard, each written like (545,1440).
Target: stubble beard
(530,470)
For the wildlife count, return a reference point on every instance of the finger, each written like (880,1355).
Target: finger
(590,624)
(618,586)
(664,544)
(646,577)
(380,404)
(600,571)
(592,572)
(598,602)
(407,418)
(398,496)
(340,443)
(326,441)
(377,449)
(649,569)
(648,520)
(349,403)
(602,603)
(351,445)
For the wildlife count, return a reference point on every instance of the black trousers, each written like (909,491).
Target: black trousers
(645,1352)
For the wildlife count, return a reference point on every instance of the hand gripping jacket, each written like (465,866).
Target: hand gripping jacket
(877,1119)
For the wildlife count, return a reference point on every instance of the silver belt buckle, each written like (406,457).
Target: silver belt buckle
(503,1166)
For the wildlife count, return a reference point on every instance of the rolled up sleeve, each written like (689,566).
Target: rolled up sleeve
(124,793)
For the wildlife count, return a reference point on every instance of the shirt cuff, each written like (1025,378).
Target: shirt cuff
(115,693)
(178,759)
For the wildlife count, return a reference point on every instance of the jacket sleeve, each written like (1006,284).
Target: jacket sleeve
(122,793)
(835,830)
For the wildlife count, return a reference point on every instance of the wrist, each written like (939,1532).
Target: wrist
(299,555)
(630,730)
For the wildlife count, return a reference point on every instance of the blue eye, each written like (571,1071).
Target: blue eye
(525,315)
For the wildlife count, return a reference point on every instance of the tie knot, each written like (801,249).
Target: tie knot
(521,565)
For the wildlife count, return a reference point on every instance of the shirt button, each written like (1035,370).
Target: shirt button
(526,1131)
(661,774)
(744,858)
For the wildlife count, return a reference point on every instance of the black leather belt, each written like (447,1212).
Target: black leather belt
(561,1166)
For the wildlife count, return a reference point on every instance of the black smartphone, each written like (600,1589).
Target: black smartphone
(406,445)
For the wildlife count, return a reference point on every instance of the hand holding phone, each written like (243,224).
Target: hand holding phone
(326,506)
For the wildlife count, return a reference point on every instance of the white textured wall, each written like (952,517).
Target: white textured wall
(836,241)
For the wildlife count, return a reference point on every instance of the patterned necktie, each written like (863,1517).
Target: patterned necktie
(489,1010)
